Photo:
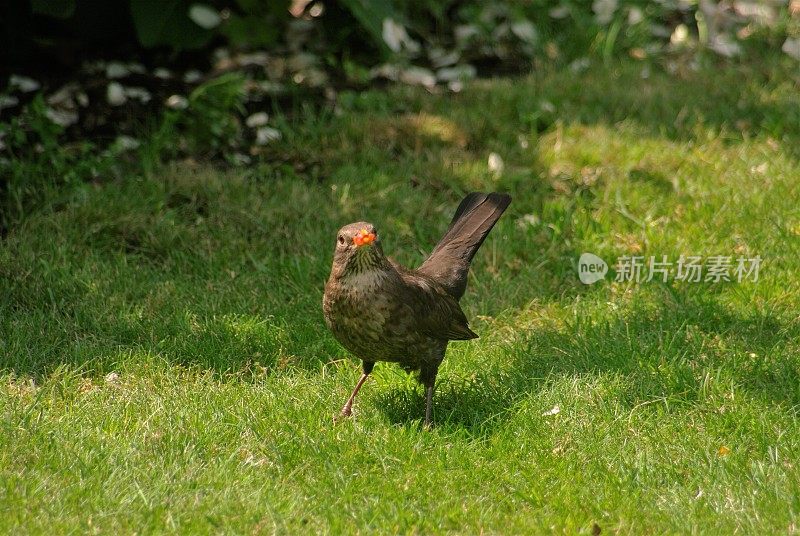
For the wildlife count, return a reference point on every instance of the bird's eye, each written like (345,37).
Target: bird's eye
(341,240)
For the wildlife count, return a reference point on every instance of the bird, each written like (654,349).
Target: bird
(381,311)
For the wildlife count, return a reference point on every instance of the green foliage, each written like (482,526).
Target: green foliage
(167,22)
(40,170)
(370,15)
(209,125)
(212,116)
(257,23)
(509,30)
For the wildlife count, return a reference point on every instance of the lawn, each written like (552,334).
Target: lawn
(164,364)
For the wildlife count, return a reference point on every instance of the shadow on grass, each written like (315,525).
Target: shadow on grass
(663,352)
(168,224)
(737,103)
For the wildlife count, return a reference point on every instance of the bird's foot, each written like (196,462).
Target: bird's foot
(342,415)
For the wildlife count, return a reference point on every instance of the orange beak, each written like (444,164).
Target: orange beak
(363,237)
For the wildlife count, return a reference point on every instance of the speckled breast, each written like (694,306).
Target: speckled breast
(372,323)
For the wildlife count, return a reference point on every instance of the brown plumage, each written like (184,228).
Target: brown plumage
(381,311)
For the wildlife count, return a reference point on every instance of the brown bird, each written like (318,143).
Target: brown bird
(381,311)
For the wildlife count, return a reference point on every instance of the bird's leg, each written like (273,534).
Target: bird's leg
(347,409)
(428,404)
(427,375)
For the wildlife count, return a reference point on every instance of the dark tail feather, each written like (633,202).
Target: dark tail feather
(474,218)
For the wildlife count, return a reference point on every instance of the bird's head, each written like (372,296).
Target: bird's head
(358,248)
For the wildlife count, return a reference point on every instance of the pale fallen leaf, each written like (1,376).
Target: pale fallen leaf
(115,94)
(465,32)
(126,143)
(192,76)
(386,70)
(441,58)
(138,93)
(496,163)
(579,65)
(525,30)
(555,410)
(8,101)
(253,58)
(62,117)
(204,16)
(177,102)
(393,35)
(116,69)
(724,45)
(457,72)
(680,35)
(258,119)
(396,37)
(162,73)
(65,96)
(527,220)
(313,77)
(240,159)
(604,10)
(112,378)
(635,16)
(23,83)
(759,12)
(417,76)
(638,53)
(264,135)
(791,47)
(547,106)
(301,61)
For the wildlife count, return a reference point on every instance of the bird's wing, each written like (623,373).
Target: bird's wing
(435,312)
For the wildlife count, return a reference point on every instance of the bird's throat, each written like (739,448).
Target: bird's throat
(364,281)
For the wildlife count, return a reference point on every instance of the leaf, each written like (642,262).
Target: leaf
(167,23)
(371,14)
(525,30)
(554,411)
(791,47)
(204,16)
(496,163)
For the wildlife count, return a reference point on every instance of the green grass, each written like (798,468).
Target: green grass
(165,366)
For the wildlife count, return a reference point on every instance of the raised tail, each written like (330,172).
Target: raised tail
(450,259)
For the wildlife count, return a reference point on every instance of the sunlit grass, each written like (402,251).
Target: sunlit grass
(165,366)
